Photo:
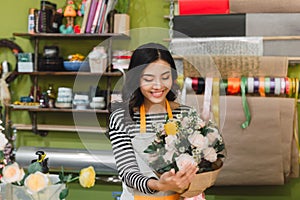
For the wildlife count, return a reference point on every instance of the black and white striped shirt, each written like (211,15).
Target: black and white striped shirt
(121,135)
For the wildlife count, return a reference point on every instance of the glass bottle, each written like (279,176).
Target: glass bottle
(51,96)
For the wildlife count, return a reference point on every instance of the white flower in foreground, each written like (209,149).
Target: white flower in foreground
(184,159)
(36,182)
(3,141)
(12,173)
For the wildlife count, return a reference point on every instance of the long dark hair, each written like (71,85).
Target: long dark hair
(140,59)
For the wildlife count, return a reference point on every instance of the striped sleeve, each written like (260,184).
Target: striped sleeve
(124,154)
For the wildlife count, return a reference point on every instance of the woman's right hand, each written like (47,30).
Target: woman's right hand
(179,181)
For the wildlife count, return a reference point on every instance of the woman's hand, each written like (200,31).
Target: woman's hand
(178,182)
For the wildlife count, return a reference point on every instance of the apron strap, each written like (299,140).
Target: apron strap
(143,115)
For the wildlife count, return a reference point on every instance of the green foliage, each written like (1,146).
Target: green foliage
(34,167)
(64,193)
(122,6)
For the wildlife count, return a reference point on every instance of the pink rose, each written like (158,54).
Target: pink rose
(213,136)
(210,154)
(198,140)
(183,160)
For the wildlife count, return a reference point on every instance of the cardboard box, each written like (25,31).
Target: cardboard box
(25,66)
(265,153)
(122,23)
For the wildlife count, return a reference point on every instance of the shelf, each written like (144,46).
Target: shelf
(34,109)
(46,73)
(64,128)
(72,36)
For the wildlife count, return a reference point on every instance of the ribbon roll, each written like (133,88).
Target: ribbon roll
(256,85)
(262,87)
(233,85)
(195,84)
(250,85)
(267,85)
(282,83)
(272,85)
(223,87)
(277,89)
(201,85)
(287,85)
(188,84)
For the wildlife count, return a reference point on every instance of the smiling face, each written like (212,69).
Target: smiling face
(156,82)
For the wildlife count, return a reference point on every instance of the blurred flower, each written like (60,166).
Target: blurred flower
(87,177)
(12,173)
(36,182)
(3,141)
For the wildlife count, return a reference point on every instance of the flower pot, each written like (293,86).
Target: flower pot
(121,23)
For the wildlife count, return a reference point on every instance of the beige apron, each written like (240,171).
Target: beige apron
(139,143)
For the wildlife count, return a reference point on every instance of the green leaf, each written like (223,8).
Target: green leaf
(34,167)
(64,193)
(1,155)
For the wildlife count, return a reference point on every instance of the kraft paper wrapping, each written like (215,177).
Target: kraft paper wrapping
(201,182)
(264,153)
(266,6)
(235,66)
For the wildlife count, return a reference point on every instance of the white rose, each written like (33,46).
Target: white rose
(170,142)
(168,155)
(185,122)
(36,182)
(3,141)
(12,173)
(213,136)
(210,154)
(198,140)
(184,159)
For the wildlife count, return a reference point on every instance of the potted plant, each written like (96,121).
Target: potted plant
(121,17)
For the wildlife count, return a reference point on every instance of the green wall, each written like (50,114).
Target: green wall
(144,14)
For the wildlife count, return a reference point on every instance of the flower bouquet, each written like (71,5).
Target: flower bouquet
(184,139)
(36,183)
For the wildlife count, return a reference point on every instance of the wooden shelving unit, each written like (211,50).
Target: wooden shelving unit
(36,38)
